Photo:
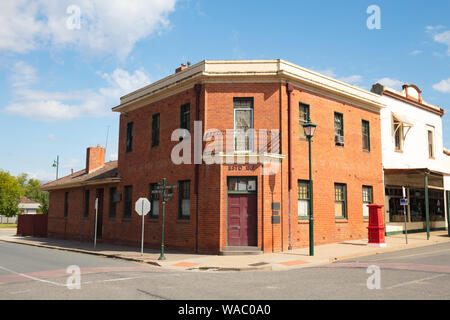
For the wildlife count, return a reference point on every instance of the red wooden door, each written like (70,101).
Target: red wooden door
(242,220)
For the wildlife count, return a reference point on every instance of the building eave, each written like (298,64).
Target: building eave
(80,184)
(249,70)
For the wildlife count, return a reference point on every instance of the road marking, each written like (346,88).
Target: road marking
(415,281)
(411,255)
(31,277)
(19,292)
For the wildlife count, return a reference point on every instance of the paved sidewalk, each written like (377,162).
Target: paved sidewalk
(297,258)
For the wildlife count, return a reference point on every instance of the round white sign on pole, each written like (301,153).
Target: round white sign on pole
(142,206)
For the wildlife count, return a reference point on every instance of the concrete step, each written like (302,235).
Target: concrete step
(240,251)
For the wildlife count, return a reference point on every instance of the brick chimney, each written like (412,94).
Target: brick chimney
(95,158)
(183,67)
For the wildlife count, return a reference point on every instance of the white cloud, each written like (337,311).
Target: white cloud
(415,52)
(443,86)
(353,79)
(106,26)
(23,74)
(442,37)
(392,83)
(54,106)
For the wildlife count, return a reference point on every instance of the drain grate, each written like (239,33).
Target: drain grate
(258,264)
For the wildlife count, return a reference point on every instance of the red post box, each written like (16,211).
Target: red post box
(376,226)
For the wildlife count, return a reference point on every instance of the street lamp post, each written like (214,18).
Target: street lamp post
(56,165)
(310,128)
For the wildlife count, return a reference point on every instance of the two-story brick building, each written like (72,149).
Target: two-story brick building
(255,193)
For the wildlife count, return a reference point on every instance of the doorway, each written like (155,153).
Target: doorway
(242,212)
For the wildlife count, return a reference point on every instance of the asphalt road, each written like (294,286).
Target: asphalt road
(28,272)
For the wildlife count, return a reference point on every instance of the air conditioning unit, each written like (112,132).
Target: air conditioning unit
(339,140)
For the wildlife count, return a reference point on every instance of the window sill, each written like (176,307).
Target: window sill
(183,220)
(303,220)
(398,151)
(366,151)
(341,220)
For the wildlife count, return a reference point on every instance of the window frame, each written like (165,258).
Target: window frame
(180,199)
(370,201)
(127,204)
(185,116)
(341,116)
(302,122)
(112,204)
(367,123)
(66,204)
(308,198)
(430,144)
(87,195)
(252,125)
(151,215)
(344,201)
(399,132)
(156,129)
(129,138)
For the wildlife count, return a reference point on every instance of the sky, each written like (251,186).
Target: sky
(65,64)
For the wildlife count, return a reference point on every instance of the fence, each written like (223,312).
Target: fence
(8,220)
(32,225)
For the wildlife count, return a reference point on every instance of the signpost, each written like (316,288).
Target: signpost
(142,207)
(96,214)
(404,203)
(161,189)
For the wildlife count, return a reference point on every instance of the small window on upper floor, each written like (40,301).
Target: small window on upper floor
(365,135)
(303,117)
(155,130)
(430,134)
(130,136)
(339,129)
(398,135)
(185,116)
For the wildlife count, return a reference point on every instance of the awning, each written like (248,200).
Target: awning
(405,123)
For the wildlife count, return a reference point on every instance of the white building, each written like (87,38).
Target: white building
(27,206)
(414,158)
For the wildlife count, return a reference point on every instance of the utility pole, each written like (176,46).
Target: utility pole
(56,165)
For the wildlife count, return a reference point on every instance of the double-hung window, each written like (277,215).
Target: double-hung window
(366,135)
(185,116)
(154,199)
(86,203)
(127,204)
(130,126)
(430,144)
(303,112)
(303,199)
(66,204)
(155,130)
(112,202)
(243,124)
(339,129)
(340,200)
(184,199)
(367,195)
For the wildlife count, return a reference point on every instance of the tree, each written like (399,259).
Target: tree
(10,192)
